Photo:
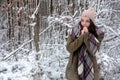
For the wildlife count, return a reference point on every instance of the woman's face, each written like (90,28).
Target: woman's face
(85,21)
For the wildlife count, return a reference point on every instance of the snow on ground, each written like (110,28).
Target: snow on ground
(18,70)
(109,66)
(53,63)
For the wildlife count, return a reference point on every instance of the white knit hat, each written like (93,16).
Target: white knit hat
(90,12)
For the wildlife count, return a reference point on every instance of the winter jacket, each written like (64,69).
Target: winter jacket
(72,47)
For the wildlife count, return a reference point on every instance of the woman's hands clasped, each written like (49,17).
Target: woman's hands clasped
(85,30)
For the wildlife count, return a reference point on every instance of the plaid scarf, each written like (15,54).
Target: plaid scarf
(85,63)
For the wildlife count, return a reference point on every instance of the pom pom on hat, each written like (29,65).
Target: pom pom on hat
(90,12)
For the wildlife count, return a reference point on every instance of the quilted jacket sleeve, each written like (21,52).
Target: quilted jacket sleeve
(73,45)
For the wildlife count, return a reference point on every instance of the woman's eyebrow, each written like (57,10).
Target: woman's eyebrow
(87,20)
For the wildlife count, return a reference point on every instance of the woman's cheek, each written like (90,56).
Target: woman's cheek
(88,24)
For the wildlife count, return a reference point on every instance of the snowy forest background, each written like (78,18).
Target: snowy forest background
(33,35)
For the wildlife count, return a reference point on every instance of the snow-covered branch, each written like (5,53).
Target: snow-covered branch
(35,12)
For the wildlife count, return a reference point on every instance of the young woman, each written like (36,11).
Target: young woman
(82,45)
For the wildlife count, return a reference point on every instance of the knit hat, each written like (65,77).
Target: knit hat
(90,12)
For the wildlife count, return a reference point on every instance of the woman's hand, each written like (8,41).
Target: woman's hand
(82,32)
(85,29)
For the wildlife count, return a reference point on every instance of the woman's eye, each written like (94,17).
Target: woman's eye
(87,21)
